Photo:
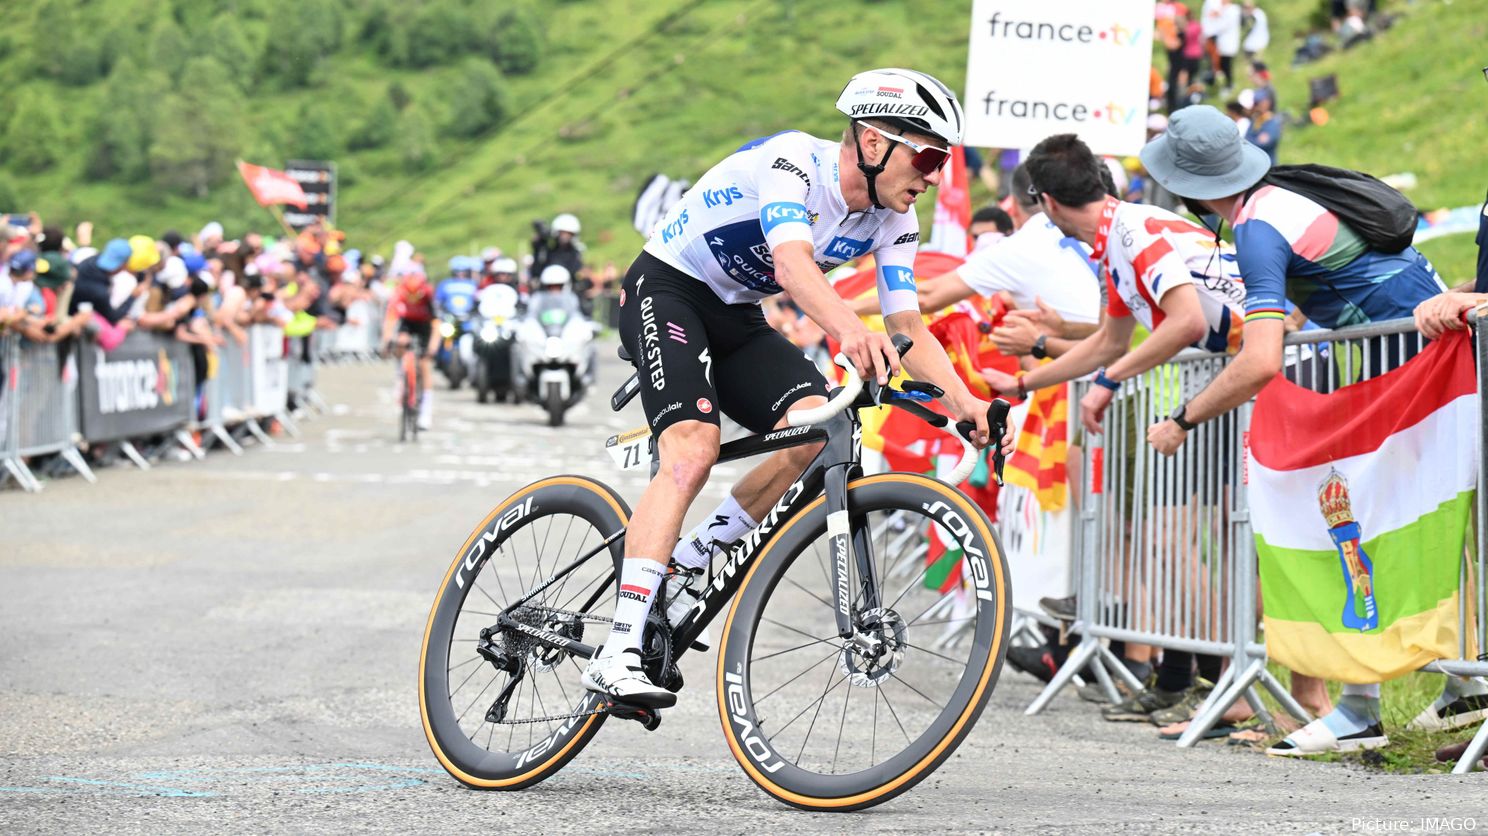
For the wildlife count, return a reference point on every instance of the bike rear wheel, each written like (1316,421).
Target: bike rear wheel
(546,717)
(825,723)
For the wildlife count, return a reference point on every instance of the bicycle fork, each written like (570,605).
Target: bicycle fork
(851,545)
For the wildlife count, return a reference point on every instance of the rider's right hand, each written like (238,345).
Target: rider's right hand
(871,353)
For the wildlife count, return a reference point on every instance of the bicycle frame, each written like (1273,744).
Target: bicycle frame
(838,463)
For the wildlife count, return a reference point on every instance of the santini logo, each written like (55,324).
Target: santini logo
(1109,113)
(1070,33)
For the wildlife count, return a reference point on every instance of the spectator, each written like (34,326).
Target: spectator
(22,308)
(1237,111)
(1047,275)
(989,225)
(209,239)
(93,292)
(1227,43)
(1260,82)
(1170,18)
(560,245)
(1355,27)
(1193,50)
(1265,129)
(1259,36)
(1202,160)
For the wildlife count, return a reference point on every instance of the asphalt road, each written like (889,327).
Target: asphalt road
(232,646)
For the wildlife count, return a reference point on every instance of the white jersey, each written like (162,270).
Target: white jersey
(782,188)
(1038,262)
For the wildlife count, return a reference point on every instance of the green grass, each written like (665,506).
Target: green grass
(627,88)
(1400,701)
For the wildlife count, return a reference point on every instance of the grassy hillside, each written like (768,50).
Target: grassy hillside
(625,88)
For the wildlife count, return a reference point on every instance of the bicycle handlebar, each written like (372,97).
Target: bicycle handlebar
(852,385)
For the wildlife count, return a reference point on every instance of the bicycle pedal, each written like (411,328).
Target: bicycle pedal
(650,718)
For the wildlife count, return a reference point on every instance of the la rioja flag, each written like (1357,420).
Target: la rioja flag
(1360,502)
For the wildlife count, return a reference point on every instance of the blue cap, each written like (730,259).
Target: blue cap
(194,262)
(23,261)
(115,255)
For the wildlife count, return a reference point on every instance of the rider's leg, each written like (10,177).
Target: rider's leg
(687,450)
(426,405)
(751,499)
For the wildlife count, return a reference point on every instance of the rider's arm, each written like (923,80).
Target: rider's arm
(900,302)
(797,274)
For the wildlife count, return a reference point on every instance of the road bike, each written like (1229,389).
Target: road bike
(410,392)
(868,627)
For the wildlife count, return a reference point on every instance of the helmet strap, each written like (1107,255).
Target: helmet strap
(871,172)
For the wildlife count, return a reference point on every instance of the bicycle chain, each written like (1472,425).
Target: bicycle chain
(562,717)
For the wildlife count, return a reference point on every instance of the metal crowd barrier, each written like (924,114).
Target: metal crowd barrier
(359,337)
(46,409)
(41,399)
(1165,552)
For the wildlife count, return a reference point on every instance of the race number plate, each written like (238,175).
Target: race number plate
(631,450)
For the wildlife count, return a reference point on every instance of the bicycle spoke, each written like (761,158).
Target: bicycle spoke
(896,678)
(831,655)
(873,738)
(791,650)
(961,662)
(819,599)
(466,679)
(895,714)
(795,630)
(841,724)
(471,660)
(826,689)
(482,693)
(938,620)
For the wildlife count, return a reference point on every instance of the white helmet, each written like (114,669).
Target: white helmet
(566,223)
(553,275)
(909,100)
(503,265)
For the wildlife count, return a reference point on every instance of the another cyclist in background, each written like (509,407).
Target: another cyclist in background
(410,321)
(771,217)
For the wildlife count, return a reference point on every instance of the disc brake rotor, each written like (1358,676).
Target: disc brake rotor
(876,648)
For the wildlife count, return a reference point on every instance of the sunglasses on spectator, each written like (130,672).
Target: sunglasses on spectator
(927,159)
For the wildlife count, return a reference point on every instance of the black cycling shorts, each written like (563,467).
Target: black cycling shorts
(421,332)
(697,354)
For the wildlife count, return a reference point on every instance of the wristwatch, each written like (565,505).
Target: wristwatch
(1039,350)
(1178,417)
(1106,382)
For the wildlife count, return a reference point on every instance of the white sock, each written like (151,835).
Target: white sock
(728,522)
(426,407)
(639,579)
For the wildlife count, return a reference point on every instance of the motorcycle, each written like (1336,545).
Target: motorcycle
(448,359)
(492,338)
(556,354)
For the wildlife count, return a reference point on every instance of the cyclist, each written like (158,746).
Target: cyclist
(410,317)
(771,217)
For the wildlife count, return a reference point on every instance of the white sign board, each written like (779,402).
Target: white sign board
(1036,68)
(270,372)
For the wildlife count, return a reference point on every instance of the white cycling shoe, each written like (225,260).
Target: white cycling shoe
(683,600)
(621,678)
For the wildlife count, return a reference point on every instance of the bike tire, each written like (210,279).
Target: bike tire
(756,753)
(553,402)
(469,763)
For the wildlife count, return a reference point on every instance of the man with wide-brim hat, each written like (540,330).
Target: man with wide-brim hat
(1291,252)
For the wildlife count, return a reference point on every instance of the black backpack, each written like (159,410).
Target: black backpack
(1383,217)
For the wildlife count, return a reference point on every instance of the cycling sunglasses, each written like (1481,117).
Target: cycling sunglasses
(927,159)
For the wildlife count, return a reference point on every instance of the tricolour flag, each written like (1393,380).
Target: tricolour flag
(1040,461)
(1359,500)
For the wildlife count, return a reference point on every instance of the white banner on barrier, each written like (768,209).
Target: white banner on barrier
(1036,68)
(270,371)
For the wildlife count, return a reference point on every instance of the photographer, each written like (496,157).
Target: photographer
(560,245)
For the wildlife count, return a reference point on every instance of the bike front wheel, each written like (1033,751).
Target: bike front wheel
(823,722)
